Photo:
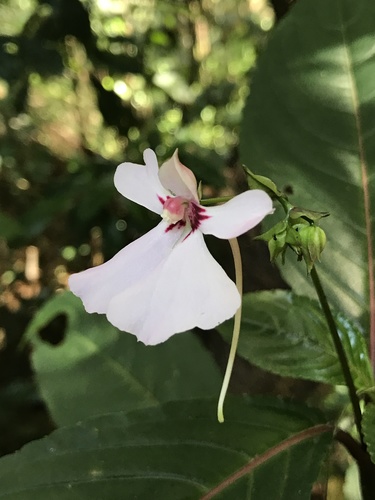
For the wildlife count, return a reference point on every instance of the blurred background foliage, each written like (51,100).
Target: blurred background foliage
(85,85)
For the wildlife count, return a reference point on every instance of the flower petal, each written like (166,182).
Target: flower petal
(178,179)
(98,285)
(188,289)
(140,183)
(237,215)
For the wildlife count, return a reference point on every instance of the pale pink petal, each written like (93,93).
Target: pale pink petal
(140,183)
(237,215)
(98,285)
(188,289)
(178,179)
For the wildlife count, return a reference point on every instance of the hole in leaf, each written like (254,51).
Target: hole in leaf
(288,190)
(54,331)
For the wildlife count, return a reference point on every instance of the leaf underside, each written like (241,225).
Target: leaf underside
(309,125)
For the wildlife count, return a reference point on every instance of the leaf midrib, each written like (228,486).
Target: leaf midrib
(365,181)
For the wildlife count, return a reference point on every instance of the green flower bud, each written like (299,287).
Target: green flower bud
(297,231)
(293,238)
(313,240)
(276,245)
(275,238)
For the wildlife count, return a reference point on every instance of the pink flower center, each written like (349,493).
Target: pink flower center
(174,209)
(179,211)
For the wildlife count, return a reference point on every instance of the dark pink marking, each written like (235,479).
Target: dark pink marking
(196,214)
(178,225)
(187,236)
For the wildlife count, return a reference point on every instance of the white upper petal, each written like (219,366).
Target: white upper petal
(188,289)
(237,215)
(140,183)
(178,179)
(97,286)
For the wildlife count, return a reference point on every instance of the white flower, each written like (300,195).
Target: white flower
(167,282)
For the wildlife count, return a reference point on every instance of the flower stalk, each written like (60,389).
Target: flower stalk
(236,329)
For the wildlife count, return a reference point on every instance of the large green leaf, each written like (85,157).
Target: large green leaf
(288,335)
(174,452)
(309,124)
(98,369)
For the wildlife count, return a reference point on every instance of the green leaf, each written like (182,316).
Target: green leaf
(309,125)
(309,215)
(287,334)
(260,182)
(98,369)
(368,427)
(178,451)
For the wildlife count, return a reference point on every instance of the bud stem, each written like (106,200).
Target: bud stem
(236,329)
(340,352)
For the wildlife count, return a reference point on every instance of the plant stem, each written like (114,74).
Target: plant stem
(365,465)
(236,329)
(215,201)
(340,352)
